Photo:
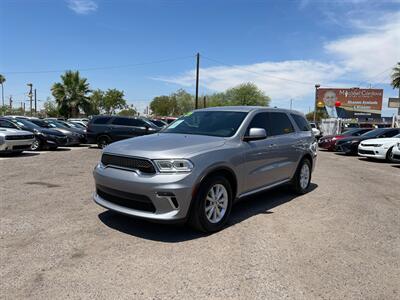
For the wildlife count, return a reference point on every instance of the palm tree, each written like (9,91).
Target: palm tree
(71,94)
(2,80)
(396,76)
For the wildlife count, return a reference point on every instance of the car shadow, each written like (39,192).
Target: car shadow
(261,203)
(23,154)
(59,149)
(372,160)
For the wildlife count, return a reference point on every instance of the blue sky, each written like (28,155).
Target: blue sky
(147,47)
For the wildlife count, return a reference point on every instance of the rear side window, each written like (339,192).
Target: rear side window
(301,122)
(390,133)
(101,120)
(279,123)
(129,122)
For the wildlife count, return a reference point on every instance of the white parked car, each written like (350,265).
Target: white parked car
(396,153)
(379,148)
(15,141)
(315,130)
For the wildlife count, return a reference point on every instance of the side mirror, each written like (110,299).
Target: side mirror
(255,134)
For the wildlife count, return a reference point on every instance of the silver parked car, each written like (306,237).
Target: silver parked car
(197,167)
(15,141)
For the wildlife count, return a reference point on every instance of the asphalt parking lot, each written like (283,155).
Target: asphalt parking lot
(340,241)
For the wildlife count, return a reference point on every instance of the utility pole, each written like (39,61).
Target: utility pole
(30,95)
(35,101)
(204,102)
(291,104)
(24,108)
(197,80)
(11,101)
(315,102)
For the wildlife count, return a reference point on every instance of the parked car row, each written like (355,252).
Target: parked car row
(380,143)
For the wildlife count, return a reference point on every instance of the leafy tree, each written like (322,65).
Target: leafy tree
(113,99)
(96,101)
(183,100)
(71,94)
(128,112)
(396,76)
(51,108)
(247,94)
(2,80)
(163,106)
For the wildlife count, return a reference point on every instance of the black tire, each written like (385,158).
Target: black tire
(103,141)
(389,155)
(36,145)
(297,185)
(198,218)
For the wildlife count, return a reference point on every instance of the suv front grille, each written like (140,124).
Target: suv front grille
(124,199)
(19,137)
(143,165)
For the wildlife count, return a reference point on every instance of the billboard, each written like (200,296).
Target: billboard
(350,103)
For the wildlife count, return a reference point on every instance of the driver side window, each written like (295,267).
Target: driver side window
(260,120)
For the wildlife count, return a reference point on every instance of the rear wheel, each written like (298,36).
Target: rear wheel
(36,145)
(302,178)
(103,141)
(212,204)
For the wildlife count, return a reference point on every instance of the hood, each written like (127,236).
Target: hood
(9,131)
(51,132)
(165,145)
(350,138)
(382,141)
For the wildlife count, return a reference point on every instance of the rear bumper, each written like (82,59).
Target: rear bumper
(329,145)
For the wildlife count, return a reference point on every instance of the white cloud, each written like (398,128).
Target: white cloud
(82,7)
(371,51)
(356,58)
(280,80)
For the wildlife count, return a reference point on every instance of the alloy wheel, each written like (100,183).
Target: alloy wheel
(216,203)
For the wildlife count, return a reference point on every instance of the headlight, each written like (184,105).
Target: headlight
(355,141)
(173,165)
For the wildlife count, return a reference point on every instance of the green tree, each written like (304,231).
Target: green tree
(320,114)
(247,94)
(113,100)
(71,94)
(51,108)
(128,112)
(2,80)
(96,101)
(163,106)
(396,77)
(183,102)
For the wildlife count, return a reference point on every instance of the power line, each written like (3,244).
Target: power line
(102,68)
(368,80)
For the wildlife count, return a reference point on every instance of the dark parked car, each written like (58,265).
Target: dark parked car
(72,137)
(77,134)
(103,130)
(349,145)
(44,138)
(328,142)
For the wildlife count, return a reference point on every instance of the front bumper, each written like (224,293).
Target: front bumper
(120,190)
(326,144)
(373,152)
(347,148)
(16,145)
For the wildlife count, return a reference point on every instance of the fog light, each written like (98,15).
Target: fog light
(170,197)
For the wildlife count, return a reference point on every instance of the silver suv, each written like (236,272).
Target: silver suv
(197,167)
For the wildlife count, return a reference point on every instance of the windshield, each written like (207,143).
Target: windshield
(158,123)
(212,123)
(351,131)
(42,124)
(26,123)
(373,133)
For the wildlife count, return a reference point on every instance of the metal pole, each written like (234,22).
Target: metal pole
(291,103)
(197,80)
(35,101)
(204,102)
(315,102)
(30,97)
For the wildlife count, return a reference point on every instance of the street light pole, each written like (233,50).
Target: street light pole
(197,80)
(315,104)
(30,95)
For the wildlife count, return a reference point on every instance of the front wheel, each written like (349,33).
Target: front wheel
(36,145)
(212,204)
(389,155)
(302,178)
(103,141)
